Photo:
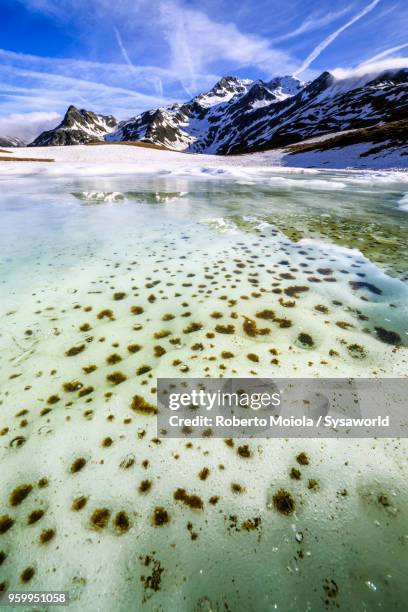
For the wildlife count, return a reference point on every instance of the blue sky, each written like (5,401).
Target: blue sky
(124,56)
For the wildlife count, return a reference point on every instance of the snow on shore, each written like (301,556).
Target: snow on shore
(124,159)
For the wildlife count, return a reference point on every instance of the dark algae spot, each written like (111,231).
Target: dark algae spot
(192,327)
(121,522)
(116,378)
(244,451)
(160,516)
(75,350)
(152,582)
(46,536)
(302,458)
(204,473)
(107,313)
(134,348)
(19,494)
(305,340)
(144,369)
(225,329)
(283,502)
(192,501)
(363,285)
(140,405)
(27,574)
(35,516)
(79,503)
(77,465)
(388,336)
(100,518)
(6,523)
(145,486)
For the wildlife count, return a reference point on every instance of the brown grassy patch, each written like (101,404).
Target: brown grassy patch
(25,159)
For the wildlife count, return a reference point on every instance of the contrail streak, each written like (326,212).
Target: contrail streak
(122,48)
(385,53)
(329,39)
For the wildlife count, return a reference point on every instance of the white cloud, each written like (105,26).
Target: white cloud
(28,125)
(371,68)
(197,42)
(329,39)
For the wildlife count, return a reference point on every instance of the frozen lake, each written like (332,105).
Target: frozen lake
(109,282)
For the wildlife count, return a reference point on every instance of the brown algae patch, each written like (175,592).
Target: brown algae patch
(107,313)
(75,350)
(116,378)
(27,574)
(192,501)
(133,348)
(79,503)
(140,405)
(100,518)
(160,516)
(46,536)
(6,523)
(35,516)
(113,359)
(225,329)
(283,502)
(305,340)
(19,494)
(121,522)
(77,465)
(302,458)
(144,369)
(145,486)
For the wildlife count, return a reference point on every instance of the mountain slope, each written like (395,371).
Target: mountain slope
(77,127)
(198,125)
(324,106)
(239,116)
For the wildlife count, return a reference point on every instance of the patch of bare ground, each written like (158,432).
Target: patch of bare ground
(25,159)
(386,136)
(136,143)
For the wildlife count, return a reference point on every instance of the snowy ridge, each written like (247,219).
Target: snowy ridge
(77,127)
(239,115)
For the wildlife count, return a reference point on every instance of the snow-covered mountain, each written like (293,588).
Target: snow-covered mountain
(77,127)
(326,105)
(199,125)
(240,115)
(11,141)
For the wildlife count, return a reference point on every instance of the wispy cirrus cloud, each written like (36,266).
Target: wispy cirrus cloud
(329,39)
(197,45)
(312,23)
(197,42)
(34,83)
(386,53)
(132,55)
